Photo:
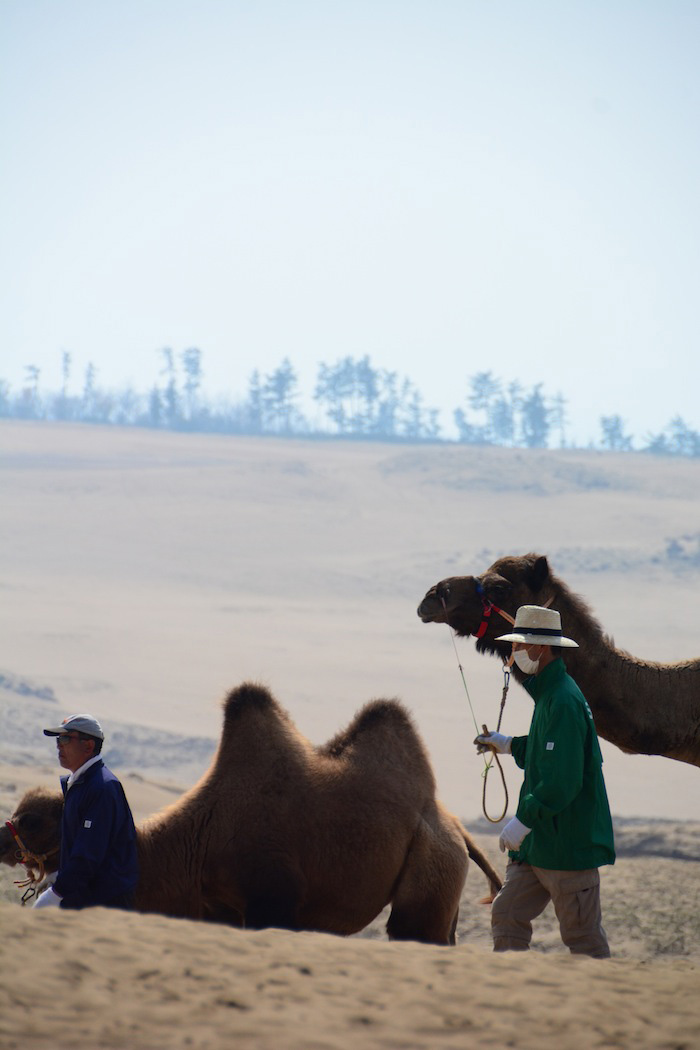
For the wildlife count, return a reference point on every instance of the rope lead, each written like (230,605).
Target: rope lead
(494,757)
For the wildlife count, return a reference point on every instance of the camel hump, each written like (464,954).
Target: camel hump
(249,696)
(378,718)
(383,712)
(40,796)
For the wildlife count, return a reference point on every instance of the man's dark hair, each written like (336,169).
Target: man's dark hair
(96,741)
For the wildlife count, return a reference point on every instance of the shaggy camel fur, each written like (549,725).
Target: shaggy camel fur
(642,707)
(282,833)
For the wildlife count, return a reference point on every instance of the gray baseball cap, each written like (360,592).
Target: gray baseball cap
(78,724)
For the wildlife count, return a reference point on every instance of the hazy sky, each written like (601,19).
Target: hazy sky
(449,187)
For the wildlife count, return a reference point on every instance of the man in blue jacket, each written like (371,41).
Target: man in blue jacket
(562,830)
(98,863)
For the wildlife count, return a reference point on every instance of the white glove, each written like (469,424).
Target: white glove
(513,834)
(493,742)
(47,899)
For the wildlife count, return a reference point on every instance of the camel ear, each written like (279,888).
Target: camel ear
(538,573)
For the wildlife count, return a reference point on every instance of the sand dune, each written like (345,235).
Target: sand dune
(147,573)
(103,979)
(144,574)
(108,979)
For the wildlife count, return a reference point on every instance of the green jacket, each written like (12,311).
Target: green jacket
(563,797)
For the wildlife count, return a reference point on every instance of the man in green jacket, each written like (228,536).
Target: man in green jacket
(562,831)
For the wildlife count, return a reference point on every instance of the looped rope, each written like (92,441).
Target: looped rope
(487,762)
(494,756)
(488,608)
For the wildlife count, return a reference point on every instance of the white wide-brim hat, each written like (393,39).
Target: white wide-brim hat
(535,625)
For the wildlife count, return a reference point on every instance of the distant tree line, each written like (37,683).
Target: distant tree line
(354,399)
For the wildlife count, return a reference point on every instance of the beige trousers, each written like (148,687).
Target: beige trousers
(525,894)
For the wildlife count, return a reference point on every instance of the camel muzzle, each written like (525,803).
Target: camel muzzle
(32,862)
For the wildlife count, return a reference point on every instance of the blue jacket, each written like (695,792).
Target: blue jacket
(98,862)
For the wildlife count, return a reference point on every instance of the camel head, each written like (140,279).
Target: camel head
(465,602)
(37,820)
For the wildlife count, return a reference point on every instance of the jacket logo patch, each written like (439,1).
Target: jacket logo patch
(550,745)
(87,824)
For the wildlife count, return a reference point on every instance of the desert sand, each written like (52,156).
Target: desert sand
(144,574)
(148,982)
(106,979)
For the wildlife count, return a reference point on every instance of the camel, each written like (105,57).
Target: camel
(280,832)
(641,707)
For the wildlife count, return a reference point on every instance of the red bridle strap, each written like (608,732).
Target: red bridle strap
(15,836)
(489,607)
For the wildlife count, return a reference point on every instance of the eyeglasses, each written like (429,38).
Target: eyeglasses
(65,738)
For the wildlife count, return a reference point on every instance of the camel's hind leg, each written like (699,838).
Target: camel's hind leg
(425,905)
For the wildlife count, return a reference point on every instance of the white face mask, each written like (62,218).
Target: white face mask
(526,665)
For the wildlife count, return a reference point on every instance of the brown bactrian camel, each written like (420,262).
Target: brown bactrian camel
(642,707)
(280,832)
